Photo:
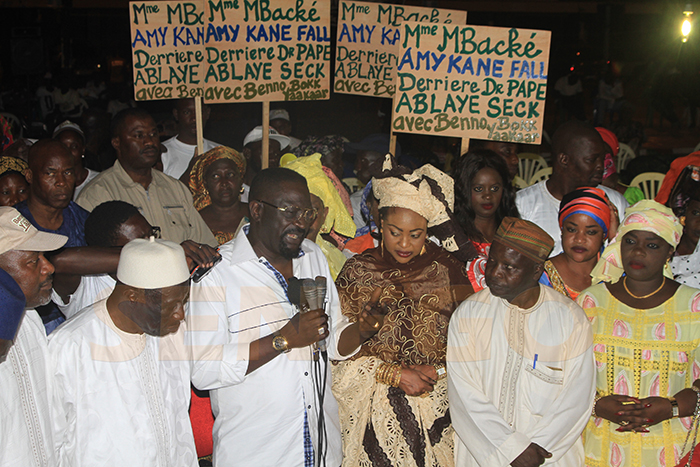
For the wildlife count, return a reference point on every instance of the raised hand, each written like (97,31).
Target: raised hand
(305,329)
(199,254)
(372,317)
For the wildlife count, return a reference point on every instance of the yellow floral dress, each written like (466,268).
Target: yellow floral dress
(641,353)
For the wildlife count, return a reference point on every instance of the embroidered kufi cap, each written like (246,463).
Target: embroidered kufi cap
(525,237)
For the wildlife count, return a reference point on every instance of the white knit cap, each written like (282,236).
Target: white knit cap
(152,264)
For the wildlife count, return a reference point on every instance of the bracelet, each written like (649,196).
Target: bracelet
(595,401)
(389,374)
(441,371)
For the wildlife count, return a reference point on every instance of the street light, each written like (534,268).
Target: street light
(686,26)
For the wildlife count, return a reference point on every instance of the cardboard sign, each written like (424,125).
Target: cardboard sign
(167,44)
(267,50)
(369,41)
(471,82)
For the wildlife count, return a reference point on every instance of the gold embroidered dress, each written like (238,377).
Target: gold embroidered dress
(380,424)
(641,353)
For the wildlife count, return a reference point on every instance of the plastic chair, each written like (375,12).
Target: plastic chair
(530,163)
(649,183)
(542,174)
(625,155)
(353,183)
(519,183)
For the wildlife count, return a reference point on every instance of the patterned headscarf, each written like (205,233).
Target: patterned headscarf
(648,216)
(324,144)
(428,192)
(588,201)
(608,166)
(338,217)
(13,164)
(610,139)
(200,194)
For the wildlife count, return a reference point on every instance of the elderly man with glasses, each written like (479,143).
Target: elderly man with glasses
(270,392)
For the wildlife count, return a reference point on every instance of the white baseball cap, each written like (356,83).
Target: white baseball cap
(17,233)
(68,125)
(256,134)
(279,114)
(152,264)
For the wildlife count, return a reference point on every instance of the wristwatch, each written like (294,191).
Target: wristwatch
(279,343)
(674,407)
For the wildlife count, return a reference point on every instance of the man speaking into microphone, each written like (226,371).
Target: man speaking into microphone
(254,350)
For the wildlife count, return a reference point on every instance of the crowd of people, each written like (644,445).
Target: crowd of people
(178,308)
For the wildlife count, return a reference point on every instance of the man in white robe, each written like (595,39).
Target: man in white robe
(267,393)
(519,362)
(26,437)
(122,373)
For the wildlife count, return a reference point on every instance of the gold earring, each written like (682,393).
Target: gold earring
(682,221)
(422,251)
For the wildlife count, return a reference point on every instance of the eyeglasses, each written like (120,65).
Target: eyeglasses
(294,213)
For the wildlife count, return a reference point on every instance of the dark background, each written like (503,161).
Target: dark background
(85,39)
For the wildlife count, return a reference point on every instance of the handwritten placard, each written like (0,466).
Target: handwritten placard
(267,50)
(167,44)
(471,82)
(369,41)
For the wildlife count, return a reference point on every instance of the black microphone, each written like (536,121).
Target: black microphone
(294,291)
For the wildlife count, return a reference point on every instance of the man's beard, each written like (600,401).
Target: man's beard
(290,253)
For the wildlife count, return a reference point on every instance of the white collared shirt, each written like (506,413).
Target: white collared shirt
(260,416)
(26,436)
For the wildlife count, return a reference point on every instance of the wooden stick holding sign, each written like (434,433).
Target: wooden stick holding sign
(392,144)
(465,146)
(266,135)
(200,125)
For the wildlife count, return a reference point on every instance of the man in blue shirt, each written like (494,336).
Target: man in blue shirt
(52,179)
(50,209)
